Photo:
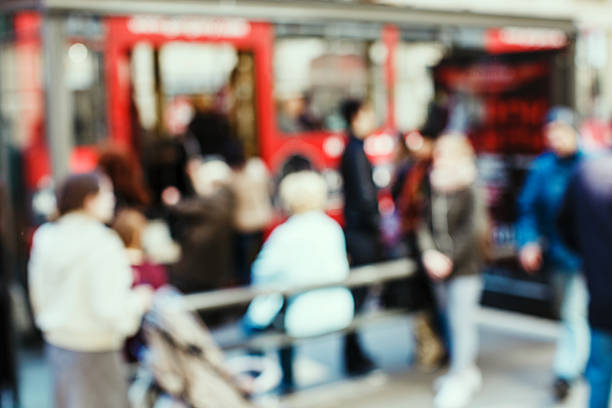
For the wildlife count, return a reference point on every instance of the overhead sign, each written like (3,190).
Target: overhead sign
(514,39)
(189,27)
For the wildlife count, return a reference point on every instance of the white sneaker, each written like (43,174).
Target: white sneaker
(458,389)
(440,381)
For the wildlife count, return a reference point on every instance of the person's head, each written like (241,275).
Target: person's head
(129,225)
(303,192)
(91,193)
(293,106)
(208,175)
(561,134)
(453,150)
(417,145)
(359,117)
(126,176)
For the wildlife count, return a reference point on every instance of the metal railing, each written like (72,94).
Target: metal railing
(368,275)
(363,276)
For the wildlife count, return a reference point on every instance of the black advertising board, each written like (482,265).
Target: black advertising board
(500,102)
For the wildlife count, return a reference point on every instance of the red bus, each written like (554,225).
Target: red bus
(133,79)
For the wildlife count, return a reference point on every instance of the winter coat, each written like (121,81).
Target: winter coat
(539,204)
(251,186)
(80,285)
(360,204)
(585,224)
(455,223)
(203,228)
(307,249)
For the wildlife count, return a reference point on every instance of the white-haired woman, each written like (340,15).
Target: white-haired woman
(309,248)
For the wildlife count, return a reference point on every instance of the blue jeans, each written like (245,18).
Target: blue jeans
(457,301)
(599,369)
(573,343)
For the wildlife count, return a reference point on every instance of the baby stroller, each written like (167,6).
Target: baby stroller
(184,361)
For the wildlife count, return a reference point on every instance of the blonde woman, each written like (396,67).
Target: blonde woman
(451,237)
(309,248)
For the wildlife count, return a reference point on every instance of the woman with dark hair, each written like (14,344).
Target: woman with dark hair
(127,178)
(81,291)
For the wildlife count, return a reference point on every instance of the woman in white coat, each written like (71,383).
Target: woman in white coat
(309,248)
(81,290)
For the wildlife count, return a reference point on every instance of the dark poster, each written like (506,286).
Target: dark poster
(500,103)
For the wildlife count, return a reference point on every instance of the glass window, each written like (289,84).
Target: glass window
(182,82)
(85,79)
(313,75)
(414,85)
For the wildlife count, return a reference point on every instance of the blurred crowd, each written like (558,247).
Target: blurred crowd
(116,239)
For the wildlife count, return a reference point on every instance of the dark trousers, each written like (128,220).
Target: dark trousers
(286,354)
(246,248)
(363,248)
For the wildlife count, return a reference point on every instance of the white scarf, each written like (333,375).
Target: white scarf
(450,178)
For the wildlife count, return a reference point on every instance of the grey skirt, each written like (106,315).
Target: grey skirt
(88,379)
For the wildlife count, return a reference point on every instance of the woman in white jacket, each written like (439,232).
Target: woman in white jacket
(309,248)
(81,290)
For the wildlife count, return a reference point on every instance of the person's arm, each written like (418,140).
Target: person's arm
(360,182)
(36,267)
(566,218)
(119,307)
(527,231)
(437,265)
(268,267)
(425,238)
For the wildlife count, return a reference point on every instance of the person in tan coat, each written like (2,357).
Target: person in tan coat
(251,185)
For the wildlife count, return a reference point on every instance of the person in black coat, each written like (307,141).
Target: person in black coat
(585,224)
(360,213)
(8,375)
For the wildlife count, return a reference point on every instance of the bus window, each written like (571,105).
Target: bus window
(414,86)
(143,85)
(313,75)
(85,79)
(215,78)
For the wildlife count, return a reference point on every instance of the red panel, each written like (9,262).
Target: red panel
(118,83)
(30,128)
(391,37)
(512,40)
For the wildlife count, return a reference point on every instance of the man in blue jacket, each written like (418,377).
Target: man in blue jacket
(541,247)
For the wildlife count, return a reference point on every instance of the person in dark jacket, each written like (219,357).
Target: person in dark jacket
(585,224)
(541,247)
(8,373)
(452,236)
(360,213)
(203,227)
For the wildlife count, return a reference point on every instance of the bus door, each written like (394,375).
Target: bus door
(163,72)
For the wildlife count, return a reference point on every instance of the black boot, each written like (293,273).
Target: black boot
(356,362)
(287,385)
(561,388)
